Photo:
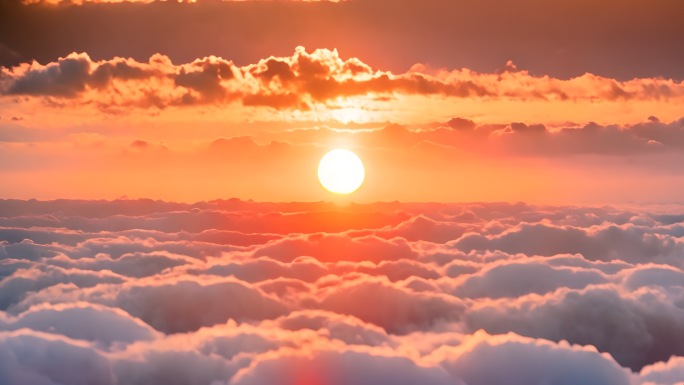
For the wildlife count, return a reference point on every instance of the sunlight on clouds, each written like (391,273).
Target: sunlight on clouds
(349,115)
(429,293)
(433,192)
(320,85)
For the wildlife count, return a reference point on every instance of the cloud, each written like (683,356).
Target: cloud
(325,247)
(36,277)
(670,372)
(349,367)
(37,358)
(628,243)
(510,359)
(635,330)
(176,306)
(396,309)
(83,321)
(66,78)
(517,278)
(533,299)
(303,81)
(348,329)
(305,269)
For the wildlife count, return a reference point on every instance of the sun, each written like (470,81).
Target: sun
(341,171)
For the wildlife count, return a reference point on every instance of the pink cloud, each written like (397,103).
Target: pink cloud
(403,309)
(301,81)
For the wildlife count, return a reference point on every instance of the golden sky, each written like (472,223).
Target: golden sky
(163,216)
(87,113)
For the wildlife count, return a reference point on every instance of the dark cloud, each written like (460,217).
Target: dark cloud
(37,358)
(519,361)
(618,38)
(83,321)
(517,278)
(350,367)
(636,329)
(185,305)
(302,81)
(350,330)
(610,242)
(396,309)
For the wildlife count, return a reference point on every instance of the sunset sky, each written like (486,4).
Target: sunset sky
(566,102)
(164,218)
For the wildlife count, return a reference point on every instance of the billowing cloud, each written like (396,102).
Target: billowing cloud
(393,296)
(82,321)
(635,331)
(484,359)
(303,81)
(236,269)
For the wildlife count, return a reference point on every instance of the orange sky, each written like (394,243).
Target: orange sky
(78,127)
(521,219)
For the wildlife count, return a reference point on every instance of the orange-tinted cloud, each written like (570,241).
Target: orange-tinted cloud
(301,81)
(540,287)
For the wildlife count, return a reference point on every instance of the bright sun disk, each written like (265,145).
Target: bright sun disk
(341,171)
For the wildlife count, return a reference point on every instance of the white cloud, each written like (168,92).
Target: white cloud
(372,302)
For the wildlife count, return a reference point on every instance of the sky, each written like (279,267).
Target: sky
(520,220)
(570,102)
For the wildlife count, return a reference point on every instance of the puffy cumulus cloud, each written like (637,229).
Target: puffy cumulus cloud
(172,306)
(306,269)
(135,265)
(64,78)
(337,247)
(295,82)
(670,372)
(604,242)
(479,293)
(423,228)
(34,278)
(517,278)
(483,359)
(348,367)
(348,329)
(636,328)
(303,81)
(37,358)
(396,309)
(83,321)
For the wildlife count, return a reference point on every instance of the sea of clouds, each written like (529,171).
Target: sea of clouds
(236,292)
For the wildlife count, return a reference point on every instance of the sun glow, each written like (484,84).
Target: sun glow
(349,115)
(341,171)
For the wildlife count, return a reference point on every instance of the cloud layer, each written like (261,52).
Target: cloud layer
(560,39)
(233,292)
(302,81)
